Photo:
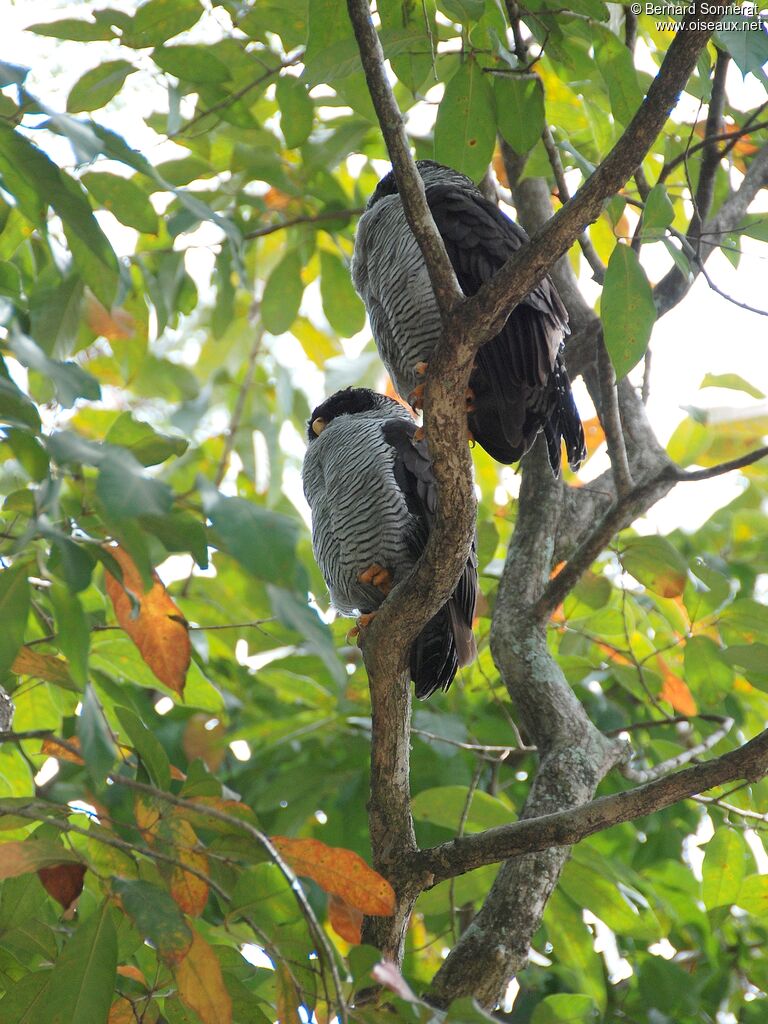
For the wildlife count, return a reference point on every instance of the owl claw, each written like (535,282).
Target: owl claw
(363,623)
(416,398)
(378,576)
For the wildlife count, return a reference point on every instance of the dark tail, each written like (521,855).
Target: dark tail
(445,643)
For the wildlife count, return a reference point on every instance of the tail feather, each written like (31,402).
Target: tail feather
(434,659)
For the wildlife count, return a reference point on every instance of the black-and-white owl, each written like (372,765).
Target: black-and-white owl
(519,385)
(372,493)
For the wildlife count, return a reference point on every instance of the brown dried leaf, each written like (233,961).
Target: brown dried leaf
(159,631)
(63,881)
(42,666)
(207,744)
(55,748)
(111,324)
(346,921)
(201,986)
(341,872)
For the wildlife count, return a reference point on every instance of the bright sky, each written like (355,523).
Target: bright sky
(705,334)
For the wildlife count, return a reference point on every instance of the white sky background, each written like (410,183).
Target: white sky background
(704,334)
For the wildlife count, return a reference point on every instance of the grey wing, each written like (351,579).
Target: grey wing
(389,273)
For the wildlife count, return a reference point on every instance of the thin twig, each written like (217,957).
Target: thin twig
(585,243)
(309,218)
(635,774)
(610,418)
(730,137)
(615,518)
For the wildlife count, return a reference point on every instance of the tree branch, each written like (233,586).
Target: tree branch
(748,762)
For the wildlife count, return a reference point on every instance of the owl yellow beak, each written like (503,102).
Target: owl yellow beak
(318,426)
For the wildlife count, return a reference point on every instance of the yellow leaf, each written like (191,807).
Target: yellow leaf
(341,872)
(159,631)
(200,984)
(121,1012)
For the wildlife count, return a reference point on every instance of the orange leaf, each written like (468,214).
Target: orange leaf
(288,998)
(18,857)
(110,324)
(63,881)
(129,971)
(207,744)
(274,199)
(593,434)
(346,921)
(159,631)
(121,1012)
(676,692)
(341,872)
(42,666)
(200,984)
(55,748)
(189,891)
(613,654)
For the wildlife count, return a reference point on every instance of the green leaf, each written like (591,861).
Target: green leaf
(29,452)
(124,199)
(297,111)
(191,63)
(745,38)
(565,1008)
(723,869)
(745,621)
(462,11)
(14,609)
(56,315)
(282,294)
(732,381)
(626,310)
(73,28)
(147,746)
(92,252)
(70,380)
(706,670)
(465,130)
(753,895)
(658,212)
(180,531)
(616,65)
(96,742)
(341,303)
(149,447)
(656,564)
(83,978)
(297,615)
(262,541)
(73,632)
(444,805)
(158,20)
(155,915)
(10,280)
(126,490)
(98,86)
(16,408)
(520,106)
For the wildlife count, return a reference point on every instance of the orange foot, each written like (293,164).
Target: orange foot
(418,434)
(378,576)
(362,624)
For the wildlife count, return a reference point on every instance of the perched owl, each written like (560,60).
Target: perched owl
(372,493)
(518,385)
